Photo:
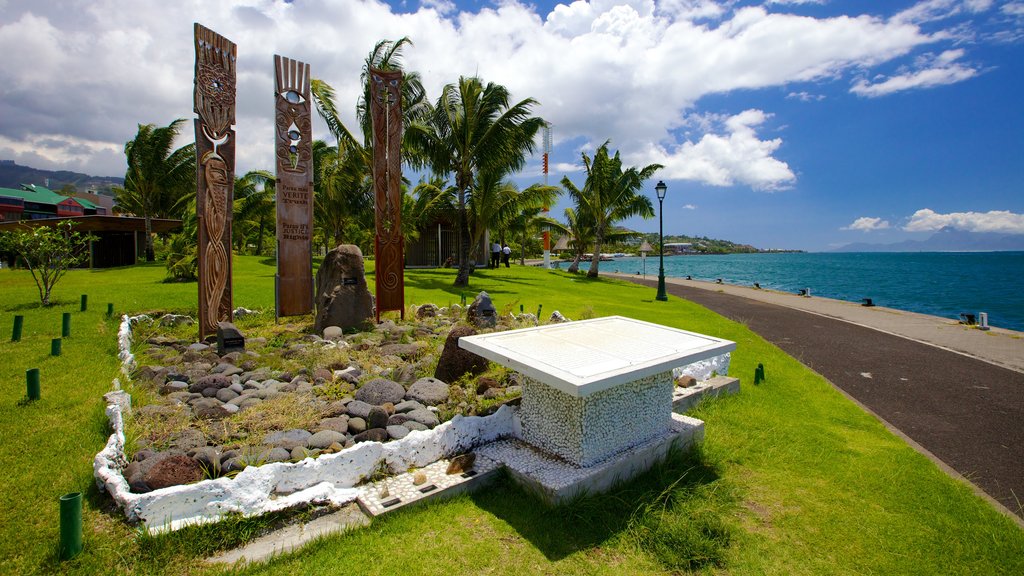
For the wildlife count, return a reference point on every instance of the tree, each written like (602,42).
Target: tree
(473,130)
(527,227)
(160,180)
(493,204)
(48,253)
(343,184)
(254,208)
(183,250)
(609,195)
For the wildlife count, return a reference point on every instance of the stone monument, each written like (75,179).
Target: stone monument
(342,297)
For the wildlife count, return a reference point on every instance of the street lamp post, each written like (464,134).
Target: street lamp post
(661,189)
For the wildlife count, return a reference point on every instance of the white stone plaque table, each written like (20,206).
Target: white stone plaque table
(593,388)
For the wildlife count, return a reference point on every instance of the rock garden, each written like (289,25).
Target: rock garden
(295,393)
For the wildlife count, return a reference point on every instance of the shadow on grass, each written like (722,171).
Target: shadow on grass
(53,305)
(673,511)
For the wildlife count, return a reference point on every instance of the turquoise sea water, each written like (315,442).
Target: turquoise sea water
(937,283)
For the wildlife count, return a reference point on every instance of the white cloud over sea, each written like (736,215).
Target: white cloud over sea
(997,221)
(867,224)
(634,71)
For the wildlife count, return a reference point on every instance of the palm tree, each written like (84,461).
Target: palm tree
(529,224)
(473,130)
(254,207)
(493,204)
(160,180)
(343,183)
(581,233)
(610,194)
(342,193)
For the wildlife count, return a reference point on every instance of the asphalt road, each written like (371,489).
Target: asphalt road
(968,413)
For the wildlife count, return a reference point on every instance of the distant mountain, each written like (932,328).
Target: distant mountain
(14,175)
(946,240)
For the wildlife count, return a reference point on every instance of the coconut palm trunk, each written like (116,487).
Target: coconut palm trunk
(462,278)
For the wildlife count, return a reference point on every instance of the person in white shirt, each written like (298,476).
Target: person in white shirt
(495,255)
(506,253)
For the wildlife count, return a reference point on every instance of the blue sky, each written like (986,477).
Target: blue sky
(781,123)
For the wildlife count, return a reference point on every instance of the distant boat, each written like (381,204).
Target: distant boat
(604,257)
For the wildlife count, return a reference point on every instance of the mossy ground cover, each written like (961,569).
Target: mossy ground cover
(792,477)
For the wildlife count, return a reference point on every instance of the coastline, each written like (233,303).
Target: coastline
(952,392)
(998,346)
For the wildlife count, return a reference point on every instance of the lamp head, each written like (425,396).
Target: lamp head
(661,189)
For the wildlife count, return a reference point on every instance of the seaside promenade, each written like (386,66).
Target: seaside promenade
(955,393)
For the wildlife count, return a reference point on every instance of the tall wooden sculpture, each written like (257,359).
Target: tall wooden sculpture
(386,115)
(215,173)
(294,159)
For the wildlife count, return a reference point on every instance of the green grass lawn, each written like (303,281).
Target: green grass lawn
(791,479)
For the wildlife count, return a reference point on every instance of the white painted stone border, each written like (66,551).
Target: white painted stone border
(259,489)
(702,370)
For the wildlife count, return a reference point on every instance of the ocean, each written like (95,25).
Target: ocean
(943,284)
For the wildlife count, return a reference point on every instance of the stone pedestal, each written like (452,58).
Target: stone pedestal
(587,430)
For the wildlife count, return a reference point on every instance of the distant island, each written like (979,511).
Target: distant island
(695,245)
(13,175)
(946,240)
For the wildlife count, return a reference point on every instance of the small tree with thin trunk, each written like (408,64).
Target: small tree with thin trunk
(48,253)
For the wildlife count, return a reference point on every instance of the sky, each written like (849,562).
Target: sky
(798,124)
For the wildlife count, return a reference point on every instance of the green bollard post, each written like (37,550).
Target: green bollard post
(65,325)
(19,323)
(539,306)
(55,347)
(32,383)
(759,374)
(70,525)
(85,302)
(463,299)
(110,309)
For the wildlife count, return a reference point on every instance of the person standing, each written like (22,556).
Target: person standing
(495,255)
(506,253)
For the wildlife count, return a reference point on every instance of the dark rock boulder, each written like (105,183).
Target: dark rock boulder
(169,469)
(483,384)
(454,361)
(215,381)
(378,418)
(426,311)
(372,435)
(342,297)
(481,312)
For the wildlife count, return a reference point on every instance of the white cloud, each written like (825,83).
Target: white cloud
(1001,221)
(737,156)
(689,206)
(933,71)
(692,9)
(804,96)
(934,10)
(442,6)
(796,2)
(1013,8)
(629,70)
(867,224)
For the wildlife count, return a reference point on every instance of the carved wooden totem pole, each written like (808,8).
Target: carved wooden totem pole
(215,173)
(386,115)
(294,159)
